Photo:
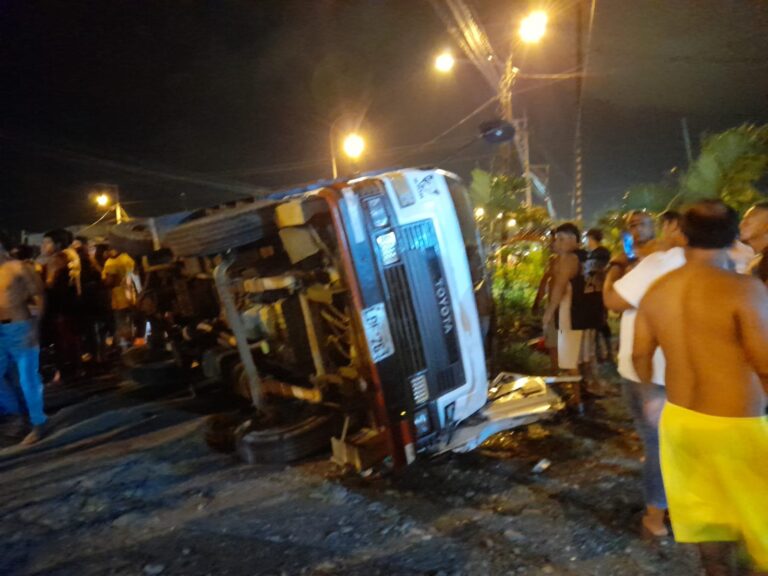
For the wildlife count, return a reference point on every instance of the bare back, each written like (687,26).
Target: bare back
(713,328)
(18,286)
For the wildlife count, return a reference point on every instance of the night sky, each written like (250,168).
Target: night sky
(187,103)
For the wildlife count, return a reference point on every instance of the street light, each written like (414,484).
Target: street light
(445,62)
(352,144)
(533,27)
(479,212)
(104,200)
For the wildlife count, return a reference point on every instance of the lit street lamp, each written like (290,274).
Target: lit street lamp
(353,146)
(533,27)
(445,62)
(104,200)
(531,30)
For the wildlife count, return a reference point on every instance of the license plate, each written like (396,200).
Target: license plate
(377,332)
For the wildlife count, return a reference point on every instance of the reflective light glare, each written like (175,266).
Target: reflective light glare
(102,200)
(354,145)
(499,216)
(445,62)
(511,223)
(378,212)
(388,246)
(533,27)
(479,212)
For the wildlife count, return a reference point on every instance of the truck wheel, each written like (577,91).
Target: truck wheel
(154,368)
(283,444)
(133,238)
(221,229)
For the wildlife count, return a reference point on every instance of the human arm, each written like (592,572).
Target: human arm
(752,317)
(644,346)
(54,267)
(611,298)
(35,288)
(567,268)
(543,285)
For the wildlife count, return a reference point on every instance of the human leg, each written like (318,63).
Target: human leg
(741,472)
(718,558)
(26,357)
(645,403)
(568,354)
(9,399)
(715,481)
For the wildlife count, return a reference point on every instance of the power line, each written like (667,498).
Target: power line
(89,160)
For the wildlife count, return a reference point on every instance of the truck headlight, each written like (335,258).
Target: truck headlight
(388,246)
(377,211)
(421,423)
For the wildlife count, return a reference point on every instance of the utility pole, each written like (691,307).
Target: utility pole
(577,202)
(521,142)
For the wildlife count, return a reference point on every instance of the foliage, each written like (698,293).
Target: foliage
(730,166)
(505,213)
(518,357)
(521,259)
(652,197)
(515,283)
(612,224)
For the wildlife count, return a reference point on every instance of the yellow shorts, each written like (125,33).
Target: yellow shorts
(715,473)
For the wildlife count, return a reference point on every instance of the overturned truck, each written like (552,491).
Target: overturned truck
(356,313)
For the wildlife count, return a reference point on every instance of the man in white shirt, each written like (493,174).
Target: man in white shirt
(623,290)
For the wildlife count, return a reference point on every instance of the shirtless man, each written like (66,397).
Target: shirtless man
(575,350)
(20,287)
(712,325)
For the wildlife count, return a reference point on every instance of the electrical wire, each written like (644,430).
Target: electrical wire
(107,213)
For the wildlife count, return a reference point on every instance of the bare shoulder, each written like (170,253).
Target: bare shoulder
(13,267)
(663,284)
(749,289)
(569,260)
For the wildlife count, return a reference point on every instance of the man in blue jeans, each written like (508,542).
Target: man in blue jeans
(21,288)
(627,280)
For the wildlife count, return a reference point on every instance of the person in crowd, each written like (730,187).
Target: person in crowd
(575,350)
(627,281)
(712,326)
(90,312)
(62,285)
(754,231)
(20,289)
(542,295)
(598,258)
(670,234)
(117,275)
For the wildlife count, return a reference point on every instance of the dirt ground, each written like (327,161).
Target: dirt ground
(125,485)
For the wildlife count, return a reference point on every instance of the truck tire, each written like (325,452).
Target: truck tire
(134,238)
(220,229)
(288,443)
(152,368)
